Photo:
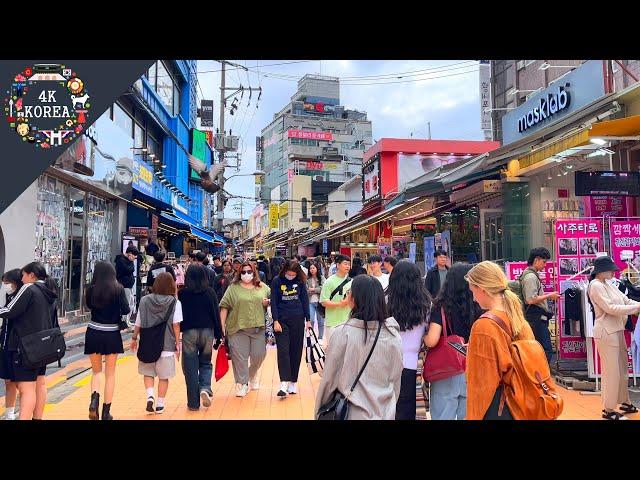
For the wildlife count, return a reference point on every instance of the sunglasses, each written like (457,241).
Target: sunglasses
(247,271)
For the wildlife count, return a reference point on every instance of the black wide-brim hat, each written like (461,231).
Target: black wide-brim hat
(604,264)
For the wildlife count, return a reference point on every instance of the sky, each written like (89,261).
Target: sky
(442,92)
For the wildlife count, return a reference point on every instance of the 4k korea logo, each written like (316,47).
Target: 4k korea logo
(47,105)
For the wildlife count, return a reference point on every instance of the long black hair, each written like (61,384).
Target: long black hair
(195,280)
(104,288)
(318,271)
(37,269)
(409,301)
(368,301)
(456,298)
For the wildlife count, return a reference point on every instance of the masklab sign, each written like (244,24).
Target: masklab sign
(547,106)
(561,99)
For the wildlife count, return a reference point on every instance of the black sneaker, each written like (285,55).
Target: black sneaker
(282,393)
(150,402)
(160,409)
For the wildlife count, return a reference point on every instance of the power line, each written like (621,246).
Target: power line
(238,68)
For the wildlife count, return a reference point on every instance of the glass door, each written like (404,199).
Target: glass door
(492,228)
(75,250)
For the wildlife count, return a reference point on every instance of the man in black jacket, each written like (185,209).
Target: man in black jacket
(157,268)
(124,274)
(436,275)
(211,275)
(276,264)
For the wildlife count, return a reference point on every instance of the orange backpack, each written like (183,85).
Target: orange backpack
(529,390)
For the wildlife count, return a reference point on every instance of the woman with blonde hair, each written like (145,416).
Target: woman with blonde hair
(488,354)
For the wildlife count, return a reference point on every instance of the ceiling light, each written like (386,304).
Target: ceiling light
(417,153)
(400,153)
(434,153)
(452,153)
(597,141)
(559,175)
(565,173)
(549,177)
(606,150)
(569,167)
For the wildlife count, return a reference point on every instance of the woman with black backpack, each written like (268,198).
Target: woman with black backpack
(158,326)
(32,310)
(106,299)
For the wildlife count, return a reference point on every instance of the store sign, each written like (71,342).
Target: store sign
(371,188)
(322,136)
(546,107)
(576,89)
(258,144)
(515,269)
(318,107)
(485,96)
(273,216)
(577,242)
(482,187)
(142,178)
(209,134)
(154,227)
(429,250)
(284,209)
(625,244)
(206,113)
(139,231)
(198,150)
(272,141)
(608,206)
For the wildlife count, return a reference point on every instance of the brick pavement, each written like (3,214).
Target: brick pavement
(70,397)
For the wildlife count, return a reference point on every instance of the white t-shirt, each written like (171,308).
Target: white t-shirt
(411,343)
(383,279)
(177,318)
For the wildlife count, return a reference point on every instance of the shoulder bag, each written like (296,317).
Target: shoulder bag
(152,338)
(443,361)
(338,407)
(321,310)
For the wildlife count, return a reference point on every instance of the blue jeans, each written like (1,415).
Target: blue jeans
(196,363)
(541,332)
(448,398)
(313,310)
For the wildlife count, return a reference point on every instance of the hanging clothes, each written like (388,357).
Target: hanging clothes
(633,292)
(573,311)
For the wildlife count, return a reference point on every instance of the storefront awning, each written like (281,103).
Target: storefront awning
(476,193)
(279,237)
(183,222)
(623,127)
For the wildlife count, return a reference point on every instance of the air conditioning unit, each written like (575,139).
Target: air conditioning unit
(520,65)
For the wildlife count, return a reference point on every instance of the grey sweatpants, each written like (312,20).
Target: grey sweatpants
(247,345)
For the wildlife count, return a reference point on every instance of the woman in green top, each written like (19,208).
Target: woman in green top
(242,315)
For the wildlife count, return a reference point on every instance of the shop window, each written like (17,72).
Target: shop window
(138,136)
(99,233)
(165,88)
(152,75)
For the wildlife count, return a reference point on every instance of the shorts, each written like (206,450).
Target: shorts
(13,370)
(164,368)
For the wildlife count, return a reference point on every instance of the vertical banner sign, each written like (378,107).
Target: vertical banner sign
(206,113)
(445,242)
(412,252)
(429,250)
(625,243)
(485,97)
(577,242)
(547,276)
(154,227)
(273,216)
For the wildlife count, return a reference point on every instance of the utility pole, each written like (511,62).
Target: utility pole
(223,104)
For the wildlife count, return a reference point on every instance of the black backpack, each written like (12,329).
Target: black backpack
(152,339)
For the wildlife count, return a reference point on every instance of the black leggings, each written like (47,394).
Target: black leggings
(406,406)
(289,343)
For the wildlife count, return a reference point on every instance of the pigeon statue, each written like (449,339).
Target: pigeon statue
(207,176)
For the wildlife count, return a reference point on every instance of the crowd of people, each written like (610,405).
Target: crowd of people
(372,323)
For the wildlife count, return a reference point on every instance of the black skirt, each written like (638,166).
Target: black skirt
(5,365)
(104,343)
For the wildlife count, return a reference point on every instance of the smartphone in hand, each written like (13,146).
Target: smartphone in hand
(459,347)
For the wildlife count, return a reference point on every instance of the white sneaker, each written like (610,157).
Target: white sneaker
(242,389)
(293,387)
(284,386)
(205,398)
(254,383)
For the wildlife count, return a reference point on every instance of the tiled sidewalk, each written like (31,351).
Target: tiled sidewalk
(70,398)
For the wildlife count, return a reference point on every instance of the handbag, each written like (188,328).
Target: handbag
(269,333)
(313,353)
(152,338)
(320,308)
(222,362)
(443,361)
(338,407)
(41,348)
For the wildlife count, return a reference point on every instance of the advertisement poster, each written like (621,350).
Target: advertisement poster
(400,247)
(412,252)
(513,271)
(577,242)
(384,247)
(429,250)
(625,243)
(445,239)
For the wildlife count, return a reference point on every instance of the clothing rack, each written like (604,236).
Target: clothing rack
(588,269)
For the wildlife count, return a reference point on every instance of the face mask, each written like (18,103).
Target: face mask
(8,288)
(290,277)
(246,277)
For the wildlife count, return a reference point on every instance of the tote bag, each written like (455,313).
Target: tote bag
(443,361)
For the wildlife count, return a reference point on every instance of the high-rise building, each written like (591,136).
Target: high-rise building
(312,146)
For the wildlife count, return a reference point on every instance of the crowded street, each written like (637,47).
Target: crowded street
(407,240)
